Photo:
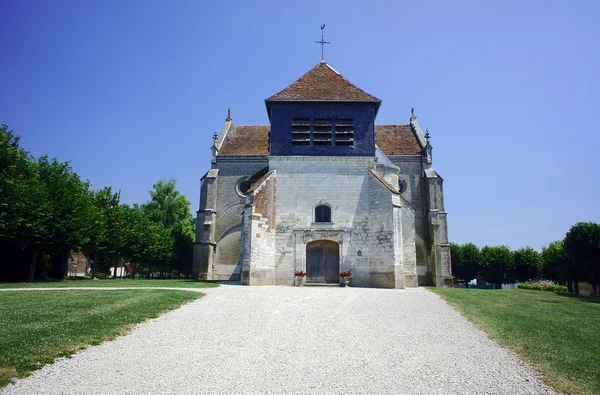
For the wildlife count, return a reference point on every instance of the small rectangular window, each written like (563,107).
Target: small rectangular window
(322,214)
(322,131)
(344,131)
(301,131)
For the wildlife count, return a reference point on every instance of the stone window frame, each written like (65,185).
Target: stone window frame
(238,187)
(315,213)
(402,185)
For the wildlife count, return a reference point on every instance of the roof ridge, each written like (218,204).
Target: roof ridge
(269,125)
(347,80)
(323,83)
(247,124)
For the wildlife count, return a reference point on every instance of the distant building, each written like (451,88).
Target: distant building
(323,189)
(77,264)
(122,271)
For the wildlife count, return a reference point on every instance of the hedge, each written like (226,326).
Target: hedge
(543,287)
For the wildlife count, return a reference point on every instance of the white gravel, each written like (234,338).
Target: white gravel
(282,340)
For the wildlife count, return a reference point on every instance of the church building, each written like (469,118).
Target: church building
(323,189)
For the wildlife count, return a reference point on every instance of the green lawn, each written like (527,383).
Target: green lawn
(37,327)
(557,333)
(119,282)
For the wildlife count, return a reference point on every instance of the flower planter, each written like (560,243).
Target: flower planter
(299,281)
(345,278)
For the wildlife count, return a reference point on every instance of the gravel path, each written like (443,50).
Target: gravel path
(288,340)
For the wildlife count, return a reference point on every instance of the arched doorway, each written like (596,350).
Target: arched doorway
(322,261)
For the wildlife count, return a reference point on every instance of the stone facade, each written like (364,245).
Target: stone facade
(319,207)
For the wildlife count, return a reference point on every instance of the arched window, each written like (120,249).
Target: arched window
(322,214)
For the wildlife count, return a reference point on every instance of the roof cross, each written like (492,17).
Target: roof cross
(322,44)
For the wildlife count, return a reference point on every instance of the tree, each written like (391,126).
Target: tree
(168,208)
(183,252)
(527,264)
(557,264)
(46,210)
(70,206)
(465,261)
(147,243)
(109,242)
(24,209)
(15,174)
(582,243)
(497,265)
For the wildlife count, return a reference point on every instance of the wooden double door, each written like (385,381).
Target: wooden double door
(322,262)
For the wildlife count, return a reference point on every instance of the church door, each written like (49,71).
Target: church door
(322,262)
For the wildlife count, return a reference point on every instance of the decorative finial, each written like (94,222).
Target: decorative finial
(228,119)
(427,135)
(322,44)
(215,137)
(412,113)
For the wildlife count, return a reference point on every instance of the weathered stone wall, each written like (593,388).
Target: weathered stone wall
(258,237)
(205,216)
(381,268)
(411,174)
(217,250)
(417,227)
(437,216)
(304,183)
(387,240)
(409,244)
(364,231)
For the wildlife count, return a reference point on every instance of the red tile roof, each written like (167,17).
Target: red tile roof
(322,82)
(245,140)
(397,140)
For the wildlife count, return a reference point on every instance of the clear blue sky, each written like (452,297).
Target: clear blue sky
(131,92)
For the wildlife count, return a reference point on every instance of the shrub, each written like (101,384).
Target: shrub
(544,287)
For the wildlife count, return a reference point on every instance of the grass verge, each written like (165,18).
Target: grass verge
(557,333)
(38,327)
(119,282)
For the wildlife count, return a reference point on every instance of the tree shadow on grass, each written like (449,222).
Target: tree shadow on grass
(582,298)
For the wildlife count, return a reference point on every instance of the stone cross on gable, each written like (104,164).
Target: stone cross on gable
(322,44)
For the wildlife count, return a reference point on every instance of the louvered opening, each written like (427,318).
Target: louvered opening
(301,131)
(344,132)
(322,131)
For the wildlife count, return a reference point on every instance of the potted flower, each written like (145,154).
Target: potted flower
(345,278)
(299,278)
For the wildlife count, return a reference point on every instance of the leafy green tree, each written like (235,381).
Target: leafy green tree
(497,265)
(557,264)
(582,243)
(22,208)
(15,175)
(109,242)
(148,244)
(70,206)
(168,208)
(183,238)
(527,264)
(160,251)
(46,211)
(465,261)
